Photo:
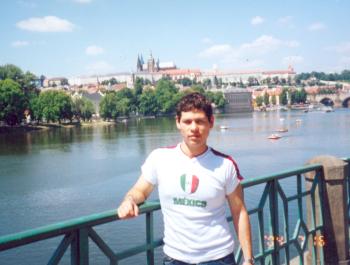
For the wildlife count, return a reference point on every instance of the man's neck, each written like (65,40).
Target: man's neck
(193,152)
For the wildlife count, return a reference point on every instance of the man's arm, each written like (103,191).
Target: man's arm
(241,222)
(136,195)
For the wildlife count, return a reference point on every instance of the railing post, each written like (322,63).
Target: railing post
(149,238)
(80,248)
(334,208)
(273,201)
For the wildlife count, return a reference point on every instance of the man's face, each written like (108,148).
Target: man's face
(194,127)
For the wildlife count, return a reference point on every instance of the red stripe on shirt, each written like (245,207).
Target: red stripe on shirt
(231,159)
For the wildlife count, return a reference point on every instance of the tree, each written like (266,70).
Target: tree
(185,81)
(276,80)
(148,103)
(127,101)
(25,80)
(12,102)
(197,88)
(82,108)
(273,100)
(108,106)
(207,83)
(54,106)
(259,101)
(217,98)
(251,81)
(166,96)
(138,86)
(266,99)
(216,81)
(284,97)
(10,71)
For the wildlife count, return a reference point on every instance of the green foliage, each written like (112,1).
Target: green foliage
(111,82)
(25,80)
(117,104)
(138,86)
(185,81)
(166,96)
(82,108)
(207,83)
(53,106)
(259,101)
(12,102)
(266,99)
(343,76)
(197,88)
(283,97)
(298,96)
(108,106)
(148,103)
(10,71)
(217,98)
(273,100)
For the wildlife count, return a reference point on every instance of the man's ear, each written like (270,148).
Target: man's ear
(177,119)
(211,121)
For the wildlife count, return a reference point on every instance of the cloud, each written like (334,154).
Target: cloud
(99,67)
(94,50)
(286,21)
(345,61)
(243,54)
(46,24)
(216,50)
(316,26)
(19,43)
(27,4)
(83,1)
(207,40)
(342,48)
(292,60)
(257,20)
(266,43)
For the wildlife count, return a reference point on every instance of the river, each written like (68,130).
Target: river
(51,176)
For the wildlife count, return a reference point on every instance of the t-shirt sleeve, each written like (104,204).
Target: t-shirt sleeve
(149,170)
(232,179)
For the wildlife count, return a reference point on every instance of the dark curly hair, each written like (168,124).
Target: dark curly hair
(194,101)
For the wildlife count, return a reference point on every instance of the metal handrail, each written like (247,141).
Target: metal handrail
(78,231)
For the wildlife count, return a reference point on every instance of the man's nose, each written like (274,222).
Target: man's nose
(194,126)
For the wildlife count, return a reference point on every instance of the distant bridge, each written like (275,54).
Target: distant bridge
(337,100)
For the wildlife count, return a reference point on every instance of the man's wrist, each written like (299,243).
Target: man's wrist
(249,261)
(129,198)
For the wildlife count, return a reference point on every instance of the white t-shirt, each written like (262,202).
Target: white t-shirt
(192,193)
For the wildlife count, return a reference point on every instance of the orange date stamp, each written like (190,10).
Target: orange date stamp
(270,240)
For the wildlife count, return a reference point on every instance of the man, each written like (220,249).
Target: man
(194,182)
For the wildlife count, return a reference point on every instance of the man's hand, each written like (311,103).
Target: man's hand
(128,208)
(137,195)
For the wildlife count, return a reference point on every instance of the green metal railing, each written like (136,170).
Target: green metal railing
(77,232)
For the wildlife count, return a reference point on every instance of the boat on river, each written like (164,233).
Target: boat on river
(274,136)
(223,127)
(282,130)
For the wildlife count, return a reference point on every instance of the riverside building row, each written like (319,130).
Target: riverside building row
(153,70)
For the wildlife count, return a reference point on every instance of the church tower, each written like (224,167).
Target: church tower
(151,64)
(139,65)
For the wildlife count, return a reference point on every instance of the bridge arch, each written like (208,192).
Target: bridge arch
(346,103)
(327,101)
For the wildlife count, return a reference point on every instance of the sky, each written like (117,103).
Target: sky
(69,38)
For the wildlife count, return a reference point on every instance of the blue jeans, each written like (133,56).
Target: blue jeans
(227,260)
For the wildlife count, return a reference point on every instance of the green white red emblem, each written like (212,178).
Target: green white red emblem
(189,184)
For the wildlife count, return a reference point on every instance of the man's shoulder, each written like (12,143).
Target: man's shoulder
(229,160)
(221,155)
(160,151)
